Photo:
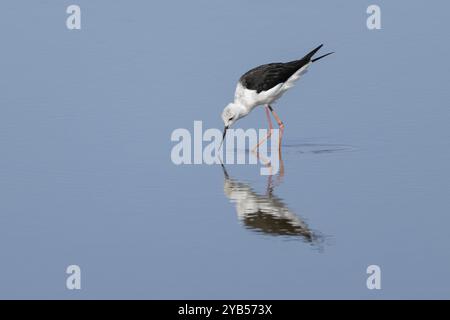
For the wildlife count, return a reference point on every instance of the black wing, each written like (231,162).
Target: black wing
(267,76)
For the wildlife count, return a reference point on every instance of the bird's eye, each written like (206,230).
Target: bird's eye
(230,119)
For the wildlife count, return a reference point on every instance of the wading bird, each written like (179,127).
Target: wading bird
(262,86)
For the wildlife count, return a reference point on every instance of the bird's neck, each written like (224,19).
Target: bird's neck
(242,109)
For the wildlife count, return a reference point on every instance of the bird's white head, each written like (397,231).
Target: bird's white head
(231,113)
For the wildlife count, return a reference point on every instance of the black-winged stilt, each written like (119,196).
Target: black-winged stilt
(262,86)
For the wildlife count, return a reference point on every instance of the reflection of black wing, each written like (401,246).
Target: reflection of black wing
(269,224)
(267,76)
(266,213)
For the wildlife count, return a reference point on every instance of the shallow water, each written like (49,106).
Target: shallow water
(86,176)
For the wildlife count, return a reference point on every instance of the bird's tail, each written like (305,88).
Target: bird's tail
(327,54)
(309,56)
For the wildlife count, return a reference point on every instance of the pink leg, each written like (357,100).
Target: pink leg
(270,129)
(280,125)
(268,118)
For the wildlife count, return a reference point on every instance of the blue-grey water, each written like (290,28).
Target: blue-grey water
(86,176)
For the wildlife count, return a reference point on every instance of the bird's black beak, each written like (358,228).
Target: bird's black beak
(224,132)
(223,136)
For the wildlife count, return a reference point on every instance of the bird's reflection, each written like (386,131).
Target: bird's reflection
(266,213)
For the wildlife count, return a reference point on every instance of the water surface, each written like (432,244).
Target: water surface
(86,176)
